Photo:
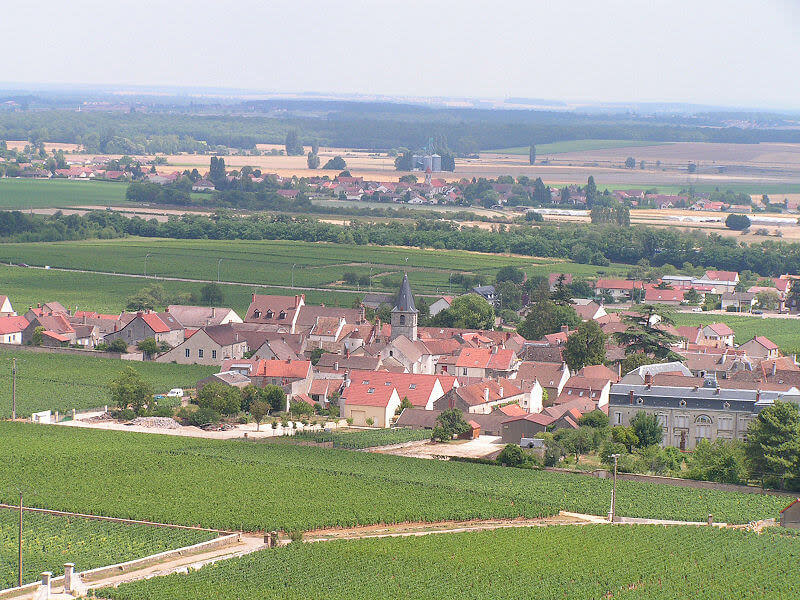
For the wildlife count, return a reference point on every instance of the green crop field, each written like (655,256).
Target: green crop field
(20,194)
(49,541)
(108,293)
(48,381)
(784,332)
(357,440)
(574,146)
(589,562)
(257,486)
(270,262)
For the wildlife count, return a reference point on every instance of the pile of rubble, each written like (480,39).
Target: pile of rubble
(156,422)
(103,418)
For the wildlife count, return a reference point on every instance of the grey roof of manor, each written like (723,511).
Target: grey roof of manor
(705,398)
(405,299)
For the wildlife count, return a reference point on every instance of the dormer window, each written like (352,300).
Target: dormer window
(257,314)
(270,314)
(413,386)
(371,391)
(365,382)
(282,314)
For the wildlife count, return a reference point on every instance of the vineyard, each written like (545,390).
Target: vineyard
(270,262)
(19,194)
(784,332)
(579,563)
(256,486)
(358,440)
(50,381)
(49,541)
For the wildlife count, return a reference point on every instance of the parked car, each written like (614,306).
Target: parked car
(175,393)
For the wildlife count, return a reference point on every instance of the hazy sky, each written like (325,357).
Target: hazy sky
(724,52)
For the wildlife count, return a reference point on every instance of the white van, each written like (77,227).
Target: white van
(175,393)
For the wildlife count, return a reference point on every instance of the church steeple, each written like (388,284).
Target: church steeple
(405,314)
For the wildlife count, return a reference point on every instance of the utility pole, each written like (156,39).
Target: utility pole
(145,262)
(614,488)
(219,262)
(20,539)
(13,389)
(293,266)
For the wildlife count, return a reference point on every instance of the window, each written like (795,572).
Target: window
(200,353)
(682,421)
(402,319)
(413,386)
(257,314)
(282,314)
(371,391)
(725,423)
(464,371)
(662,420)
(703,420)
(270,314)
(213,354)
(188,353)
(365,382)
(617,418)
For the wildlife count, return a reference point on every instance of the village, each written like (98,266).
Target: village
(337,363)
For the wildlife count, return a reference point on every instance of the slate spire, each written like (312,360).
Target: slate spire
(405,299)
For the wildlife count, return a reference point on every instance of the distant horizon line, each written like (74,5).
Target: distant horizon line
(477,102)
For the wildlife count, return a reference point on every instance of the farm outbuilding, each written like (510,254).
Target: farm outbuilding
(790,516)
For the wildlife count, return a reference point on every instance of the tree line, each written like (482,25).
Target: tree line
(583,243)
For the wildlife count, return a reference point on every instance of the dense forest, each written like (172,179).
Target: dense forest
(358,125)
(595,244)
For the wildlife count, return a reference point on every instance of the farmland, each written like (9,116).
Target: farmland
(49,541)
(21,194)
(571,146)
(108,293)
(255,486)
(271,262)
(784,332)
(649,563)
(62,382)
(357,440)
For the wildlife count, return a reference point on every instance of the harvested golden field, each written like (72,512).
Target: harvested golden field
(49,146)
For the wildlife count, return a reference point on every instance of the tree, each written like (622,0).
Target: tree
(545,318)
(470,311)
(313,160)
(737,222)
(275,397)
(299,408)
(404,404)
(596,419)
(448,424)
(624,435)
(509,296)
(225,399)
(691,168)
(541,193)
(768,300)
(38,336)
(773,442)
(634,361)
(630,163)
(532,155)
(562,294)
(692,296)
(216,173)
(258,410)
(335,164)
(585,346)
(591,192)
(211,294)
(644,335)
(721,460)
(148,346)
(510,273)
(250,394)
(316,354)
(118,345)
(647,429)
(512,456)
(292,144)
(129,390)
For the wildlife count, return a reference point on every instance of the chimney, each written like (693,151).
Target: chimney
(336,366)
(486,394)
(565,329)
(501,392)
(254,297)
(84,319)
(648,380)
(213,312)
(166,310)
(774,366)
(716,392)
(296,301)
(758,395)
(630,396)
(139,314)
(494,349)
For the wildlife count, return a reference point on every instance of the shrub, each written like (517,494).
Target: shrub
(204,416)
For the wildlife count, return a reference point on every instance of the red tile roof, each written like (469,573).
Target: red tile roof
(12,324)
(484,358)
(414,386)
(286,369)
(766,342)
(720,329)
(722,275)
(656,295)
(155,323)
(617,284)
